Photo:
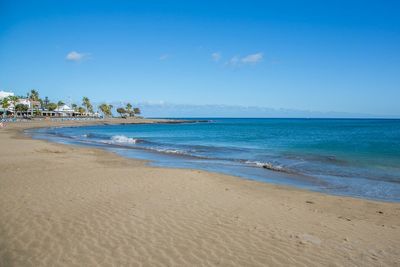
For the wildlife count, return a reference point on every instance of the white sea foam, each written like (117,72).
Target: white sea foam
(171,151)
(267,165)
(122,139)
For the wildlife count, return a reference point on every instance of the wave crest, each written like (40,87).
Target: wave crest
(170,151)
(268,166)
(122,139)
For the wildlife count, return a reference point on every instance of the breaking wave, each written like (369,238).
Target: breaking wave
(122,139)
(268,166)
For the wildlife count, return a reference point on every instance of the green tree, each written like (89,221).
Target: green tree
(74,107)
(121,111)
(60,103)
(13,100)
(5,103)
(129,108)
(33,95)
(81,110)
(21,107)
(52,106)
(37,112)
(46,102)
(86,103)
(137,111)
(106,109)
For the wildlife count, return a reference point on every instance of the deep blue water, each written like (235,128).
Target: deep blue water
(354,157)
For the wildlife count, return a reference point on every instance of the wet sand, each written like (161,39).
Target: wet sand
(72,206)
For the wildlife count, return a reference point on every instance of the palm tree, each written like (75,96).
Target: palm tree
(74,107)
(60,103)
(106,109)
(81,110)
(46,101)
(129,108)
(33,96)
(121,111)
(52,106)
(103,108)
(5,104)
(13,99)
(137,111)
(21,107)
(86,103)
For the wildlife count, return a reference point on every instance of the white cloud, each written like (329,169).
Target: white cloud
(252,59)
(216,56)
(75,56)
(164,57)
(247,60)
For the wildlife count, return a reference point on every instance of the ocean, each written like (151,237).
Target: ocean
(350,157)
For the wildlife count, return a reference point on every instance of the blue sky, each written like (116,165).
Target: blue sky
(340,56)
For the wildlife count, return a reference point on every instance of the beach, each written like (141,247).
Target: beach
(73,206)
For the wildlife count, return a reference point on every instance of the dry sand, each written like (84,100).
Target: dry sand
(71,206)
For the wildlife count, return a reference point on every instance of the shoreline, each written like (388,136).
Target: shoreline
(274,172)
(53,194)
(23,134)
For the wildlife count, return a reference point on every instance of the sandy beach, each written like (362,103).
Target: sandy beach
(72,206)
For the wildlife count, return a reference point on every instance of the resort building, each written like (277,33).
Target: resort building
(8,110)
(33,108)
(66,111)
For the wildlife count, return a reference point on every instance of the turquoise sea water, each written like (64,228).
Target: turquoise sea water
(354,157)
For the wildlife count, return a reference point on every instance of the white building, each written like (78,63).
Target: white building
(64,110)
(25,101)
(4,94)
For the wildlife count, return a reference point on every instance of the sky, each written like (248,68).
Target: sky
(314,56)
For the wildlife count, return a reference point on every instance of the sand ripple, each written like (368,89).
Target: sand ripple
(81,207)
